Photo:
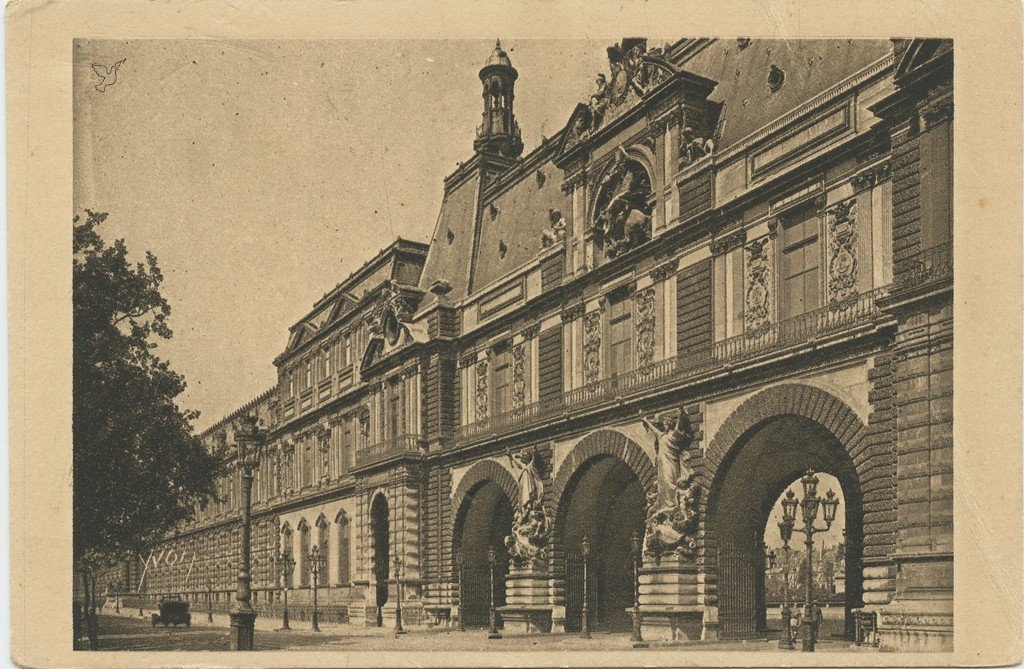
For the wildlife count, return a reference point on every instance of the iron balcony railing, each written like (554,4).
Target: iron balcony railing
(806,328)
(925,267)
(406,444)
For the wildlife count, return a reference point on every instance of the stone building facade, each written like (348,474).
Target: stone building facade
(733,264)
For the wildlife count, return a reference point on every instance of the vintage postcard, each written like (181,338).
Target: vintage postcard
(421,335)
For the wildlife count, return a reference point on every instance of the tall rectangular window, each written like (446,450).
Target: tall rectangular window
(502,380)
(325,364)
(347,441)
(620,335)
(346,352)
(395,422)
(801,258)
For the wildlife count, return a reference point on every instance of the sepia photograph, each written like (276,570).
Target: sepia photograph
(513,344)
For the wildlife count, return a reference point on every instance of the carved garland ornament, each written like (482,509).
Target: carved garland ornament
(591,346)
(758,294)
(481,389)
(842,251)
(518,376)
(645,321)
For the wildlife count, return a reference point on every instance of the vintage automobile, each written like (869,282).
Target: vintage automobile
(173,611)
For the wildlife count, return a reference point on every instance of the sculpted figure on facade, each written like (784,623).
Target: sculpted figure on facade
(556,233)
(672,520)
(390,311)
(622,216)
(528,542)
(633,73)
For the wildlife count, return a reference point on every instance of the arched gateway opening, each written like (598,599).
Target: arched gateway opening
(484,520)
(604,502)
(380,533)
(762,463)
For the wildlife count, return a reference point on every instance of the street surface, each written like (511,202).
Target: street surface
(129,632)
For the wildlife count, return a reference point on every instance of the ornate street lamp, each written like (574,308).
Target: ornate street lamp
(317,562)
(809,506)
(585,625)
(287,564)
(492,561)
(786,531)
(249,439)
(460,563)
(637,546)
(398,596)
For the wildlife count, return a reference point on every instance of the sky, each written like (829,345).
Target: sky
(262,173)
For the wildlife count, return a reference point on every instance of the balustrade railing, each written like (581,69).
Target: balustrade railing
(387,449)
(924,267)
(805,328)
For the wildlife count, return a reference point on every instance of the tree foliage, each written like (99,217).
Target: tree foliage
(139,468)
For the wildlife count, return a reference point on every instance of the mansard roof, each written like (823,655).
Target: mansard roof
(470,248)
(741,69)
(401,261)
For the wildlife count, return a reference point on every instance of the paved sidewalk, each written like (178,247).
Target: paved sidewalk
(129,632)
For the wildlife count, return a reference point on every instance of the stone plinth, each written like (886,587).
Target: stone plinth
(670,607)
(527,607)
(920,617)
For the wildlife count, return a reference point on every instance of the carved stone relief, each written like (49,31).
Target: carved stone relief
(481,389)
(757,312)
(591,346)
(519,376)
(842,251)
(634,71)
(645,321)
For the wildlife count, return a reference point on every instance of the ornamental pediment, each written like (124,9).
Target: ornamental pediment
(391,327)
(634,72)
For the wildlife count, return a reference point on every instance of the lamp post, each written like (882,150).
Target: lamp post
(398,596)
(637,638)
(249,439)
(317,562)
(287,569)
(585,624)
(460,563)
(769,565)
(809,508)
(492,560)
(786,640)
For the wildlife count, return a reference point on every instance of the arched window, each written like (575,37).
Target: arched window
(344,541)
(323,535)
(303,561)
(287,551)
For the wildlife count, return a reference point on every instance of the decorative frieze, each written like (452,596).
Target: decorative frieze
(842,251)
(645,322)
(665,270)
(757,264)
(728,242)
(518,375)
(871,177)
(481,389)
(531,332)
(591,346)
(573,312)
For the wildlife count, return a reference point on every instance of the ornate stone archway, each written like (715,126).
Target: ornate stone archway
(482,472)
(812,427)
(598,493)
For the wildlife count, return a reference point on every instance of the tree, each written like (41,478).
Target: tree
(139,467)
